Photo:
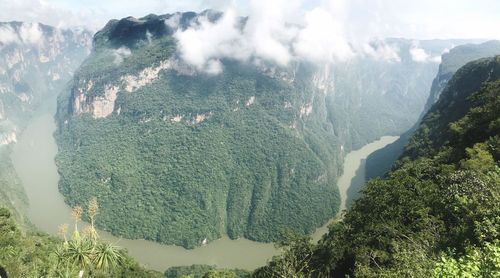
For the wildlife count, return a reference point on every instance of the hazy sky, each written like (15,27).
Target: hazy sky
(372,18)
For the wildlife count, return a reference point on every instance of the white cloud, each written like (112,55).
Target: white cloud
(120,54)
(149,36)
(267,35)
(322,39)
(30,33)
(279,31)
(380,18)
(173,21)
(213,67)
(203,45)
(27,33)
(382,51)
(419,55)
(267,32)
(8,35)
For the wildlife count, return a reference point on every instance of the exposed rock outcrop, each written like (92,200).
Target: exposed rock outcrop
(8,138)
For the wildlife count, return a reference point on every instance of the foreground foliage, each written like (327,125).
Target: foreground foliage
(39,255)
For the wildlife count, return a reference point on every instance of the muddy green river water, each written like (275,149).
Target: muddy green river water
(33,159)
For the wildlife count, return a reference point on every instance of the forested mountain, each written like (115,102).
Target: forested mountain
(36,62)
(436,213)
(381,161)
(179,156)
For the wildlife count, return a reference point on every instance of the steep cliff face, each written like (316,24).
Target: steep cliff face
(455,59)
(373,97)
(453,103)
(381,161)
(36,61)
(101,104)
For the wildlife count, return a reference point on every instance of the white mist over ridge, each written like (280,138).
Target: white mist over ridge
(269,33)
(422,19)
(28,33)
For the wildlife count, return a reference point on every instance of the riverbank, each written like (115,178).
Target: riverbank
(33,159)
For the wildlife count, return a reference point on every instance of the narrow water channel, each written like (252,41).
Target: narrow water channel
(33,159)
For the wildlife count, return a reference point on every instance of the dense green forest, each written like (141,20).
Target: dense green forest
(205,271)
(194,156)
(437,212)
(250,152)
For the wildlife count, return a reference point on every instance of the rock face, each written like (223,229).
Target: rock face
(8,138)
(100,106)
(455,59)
(103,105)
(370,98)
(453,104)
(179,156)
(36,61)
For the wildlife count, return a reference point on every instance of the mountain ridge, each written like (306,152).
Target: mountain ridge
(275,134)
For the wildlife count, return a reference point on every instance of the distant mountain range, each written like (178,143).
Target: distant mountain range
(36,61)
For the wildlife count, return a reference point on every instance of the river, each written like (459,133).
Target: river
(33,159)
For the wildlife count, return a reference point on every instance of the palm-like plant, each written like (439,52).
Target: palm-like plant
(62,230)
(76,214)
(93,209)
(80,253)
(85,252)
(65,271)
(106,255)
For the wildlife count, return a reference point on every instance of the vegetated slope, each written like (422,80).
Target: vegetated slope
(205,271)
(179,156)
(36,62)
(436,213)
(378,163)
(456,58)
